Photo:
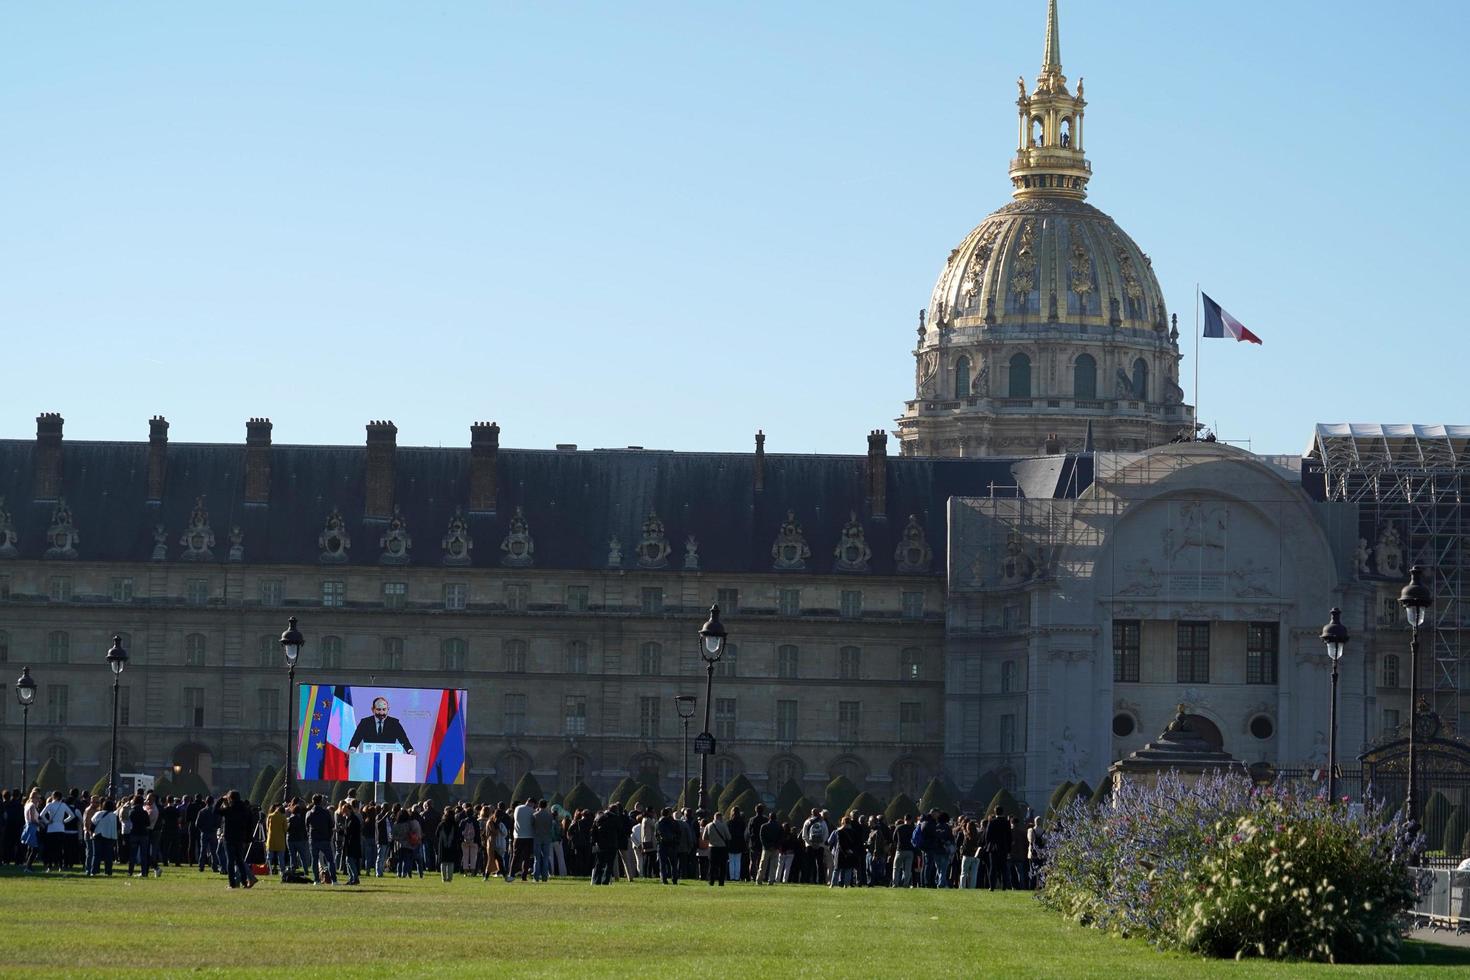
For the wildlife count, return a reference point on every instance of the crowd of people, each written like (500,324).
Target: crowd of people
(326,844)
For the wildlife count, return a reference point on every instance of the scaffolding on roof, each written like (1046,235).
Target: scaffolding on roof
(1412,479)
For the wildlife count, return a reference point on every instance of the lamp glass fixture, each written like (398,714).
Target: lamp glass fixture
(25,687)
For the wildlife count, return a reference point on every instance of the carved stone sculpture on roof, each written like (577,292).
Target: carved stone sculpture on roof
(913,554)
(1388,554)
(334,540)
(691,554)
(653,548)
(395,542)
(7,533)
(1360,558)
(160,543)
(518,550)
(614,552)
(62,538)
(456,542)
(198,536)
(852,551)
(1015,565)
(237,543)
(790,550)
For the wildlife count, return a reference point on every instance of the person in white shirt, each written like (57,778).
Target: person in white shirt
(53,831)
(105,830)
(31,834)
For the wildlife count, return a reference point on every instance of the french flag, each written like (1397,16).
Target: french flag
(1218,323)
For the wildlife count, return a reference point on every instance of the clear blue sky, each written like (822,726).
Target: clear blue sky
(670,224)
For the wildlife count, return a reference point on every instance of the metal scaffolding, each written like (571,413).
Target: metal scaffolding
(1411,480)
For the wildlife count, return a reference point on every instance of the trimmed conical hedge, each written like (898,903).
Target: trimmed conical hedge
(646,798)
(525,787)
(746,801)
(839,795)
(1006,802)
(621,793)
(800,810)
(736,789)
(339,791)
(99,788)
(190,784)
(986,786)
(1103,792)
(262,783)
(937,797)
(866,804)
(690,794)
(52,777)
(787,796)
(581,797)
(900,806)
(1053,802)
(273,792)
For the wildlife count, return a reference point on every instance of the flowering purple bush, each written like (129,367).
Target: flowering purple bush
(1220,866)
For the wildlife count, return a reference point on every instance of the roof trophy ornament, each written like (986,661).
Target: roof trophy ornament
(7,533)
(334,540)
(1388,554)
(457,542)
(237,543)
(691,554)
(518,548)
(913,553)
(653,549)
(160,543)
(852,551)
(198,536)
(790,549)
(395,541)
(62,537)
(614,552)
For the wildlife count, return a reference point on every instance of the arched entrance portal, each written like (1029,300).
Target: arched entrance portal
(192,757)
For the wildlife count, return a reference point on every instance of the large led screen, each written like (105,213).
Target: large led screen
(371,734)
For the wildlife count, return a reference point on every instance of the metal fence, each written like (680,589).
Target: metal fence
(1446,904)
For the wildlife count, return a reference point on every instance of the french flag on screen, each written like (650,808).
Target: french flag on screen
(1218,323)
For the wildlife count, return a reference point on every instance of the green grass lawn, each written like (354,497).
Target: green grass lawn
(186,921)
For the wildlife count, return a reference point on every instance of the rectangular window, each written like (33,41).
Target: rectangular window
(786,661)
(334,593)
(517,597)
(122,590)
(268,653)
(648,717)
(56,700)
(268,701)
(913,605)
(576,657)
(911,664)
(1126,646)
(651,600)
(456,596)
(849,663)
(577,598)
(847,720)
(332,652)
(910,720)
(728,600)
(392,653)
(193,707)
(725,666)
(785,721)
(515,714)
(270,592)
(58,588)
(788,602)
(851,604)
(452,654)
(1008,733)
(576,714)
(124,705)
(196,591)
(1193,648)
(58,646)
(724,718)
(1261,648)
(395,595)
(1390,720)
(195,650)
(515,656)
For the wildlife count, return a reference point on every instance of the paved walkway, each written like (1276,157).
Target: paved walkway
(1444,937)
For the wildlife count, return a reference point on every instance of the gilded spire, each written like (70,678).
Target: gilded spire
(1052,61)
(1049,160)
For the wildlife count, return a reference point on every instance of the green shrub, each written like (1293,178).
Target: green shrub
(800,810)
(1007,803)
(1054,802)
(938,797)
(625,788)
(746,801)
(261,784)
(52,777)
(986,786)
(484,791)
(526,788)
(736,789)
(841,791)
(866,804)
(900,806)
(581,797)
(787,796)
(646,798)
(689,796)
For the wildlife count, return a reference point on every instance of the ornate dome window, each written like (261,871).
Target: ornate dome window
(1084,377)
(1020,380)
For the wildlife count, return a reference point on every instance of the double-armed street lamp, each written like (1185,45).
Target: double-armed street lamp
(25,693)
(1335,636)
(1416,600)
(711,649)
(291,646)
(117,659)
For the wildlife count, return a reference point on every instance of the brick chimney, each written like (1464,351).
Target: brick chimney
(382,443)
(258,461)
(877,474)
(48,456)
(760,462)
(484,451)
(157,457)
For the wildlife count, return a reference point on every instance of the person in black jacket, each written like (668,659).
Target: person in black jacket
(998,848)
(607,835)
(349,827)
(753,843)
(319,829)
(239,829)
(381,727)
(206,830)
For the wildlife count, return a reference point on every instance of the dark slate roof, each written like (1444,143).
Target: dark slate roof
(574,501)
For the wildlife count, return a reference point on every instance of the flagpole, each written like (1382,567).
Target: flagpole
(1196,359)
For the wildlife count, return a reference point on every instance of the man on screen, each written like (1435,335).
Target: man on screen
(380,728)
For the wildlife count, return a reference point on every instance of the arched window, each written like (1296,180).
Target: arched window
(650,660)
(962,378)
(1008,677)
(332,652)
(573,770)
(58,753)
(849,768)
(194,645)
(1038,132)
(1020,376)
(1084,377)
(906,778)
(509,768)
(515,656)
(784,770)
(1066,139)
(1391,670)
(1140,380)
(451,654)
(576,657)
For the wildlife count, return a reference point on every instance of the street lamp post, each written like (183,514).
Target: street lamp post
(711,648)
(291,647)
(684,707)
(1416,600)
(25,693)
(1335,636)
(117,659)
